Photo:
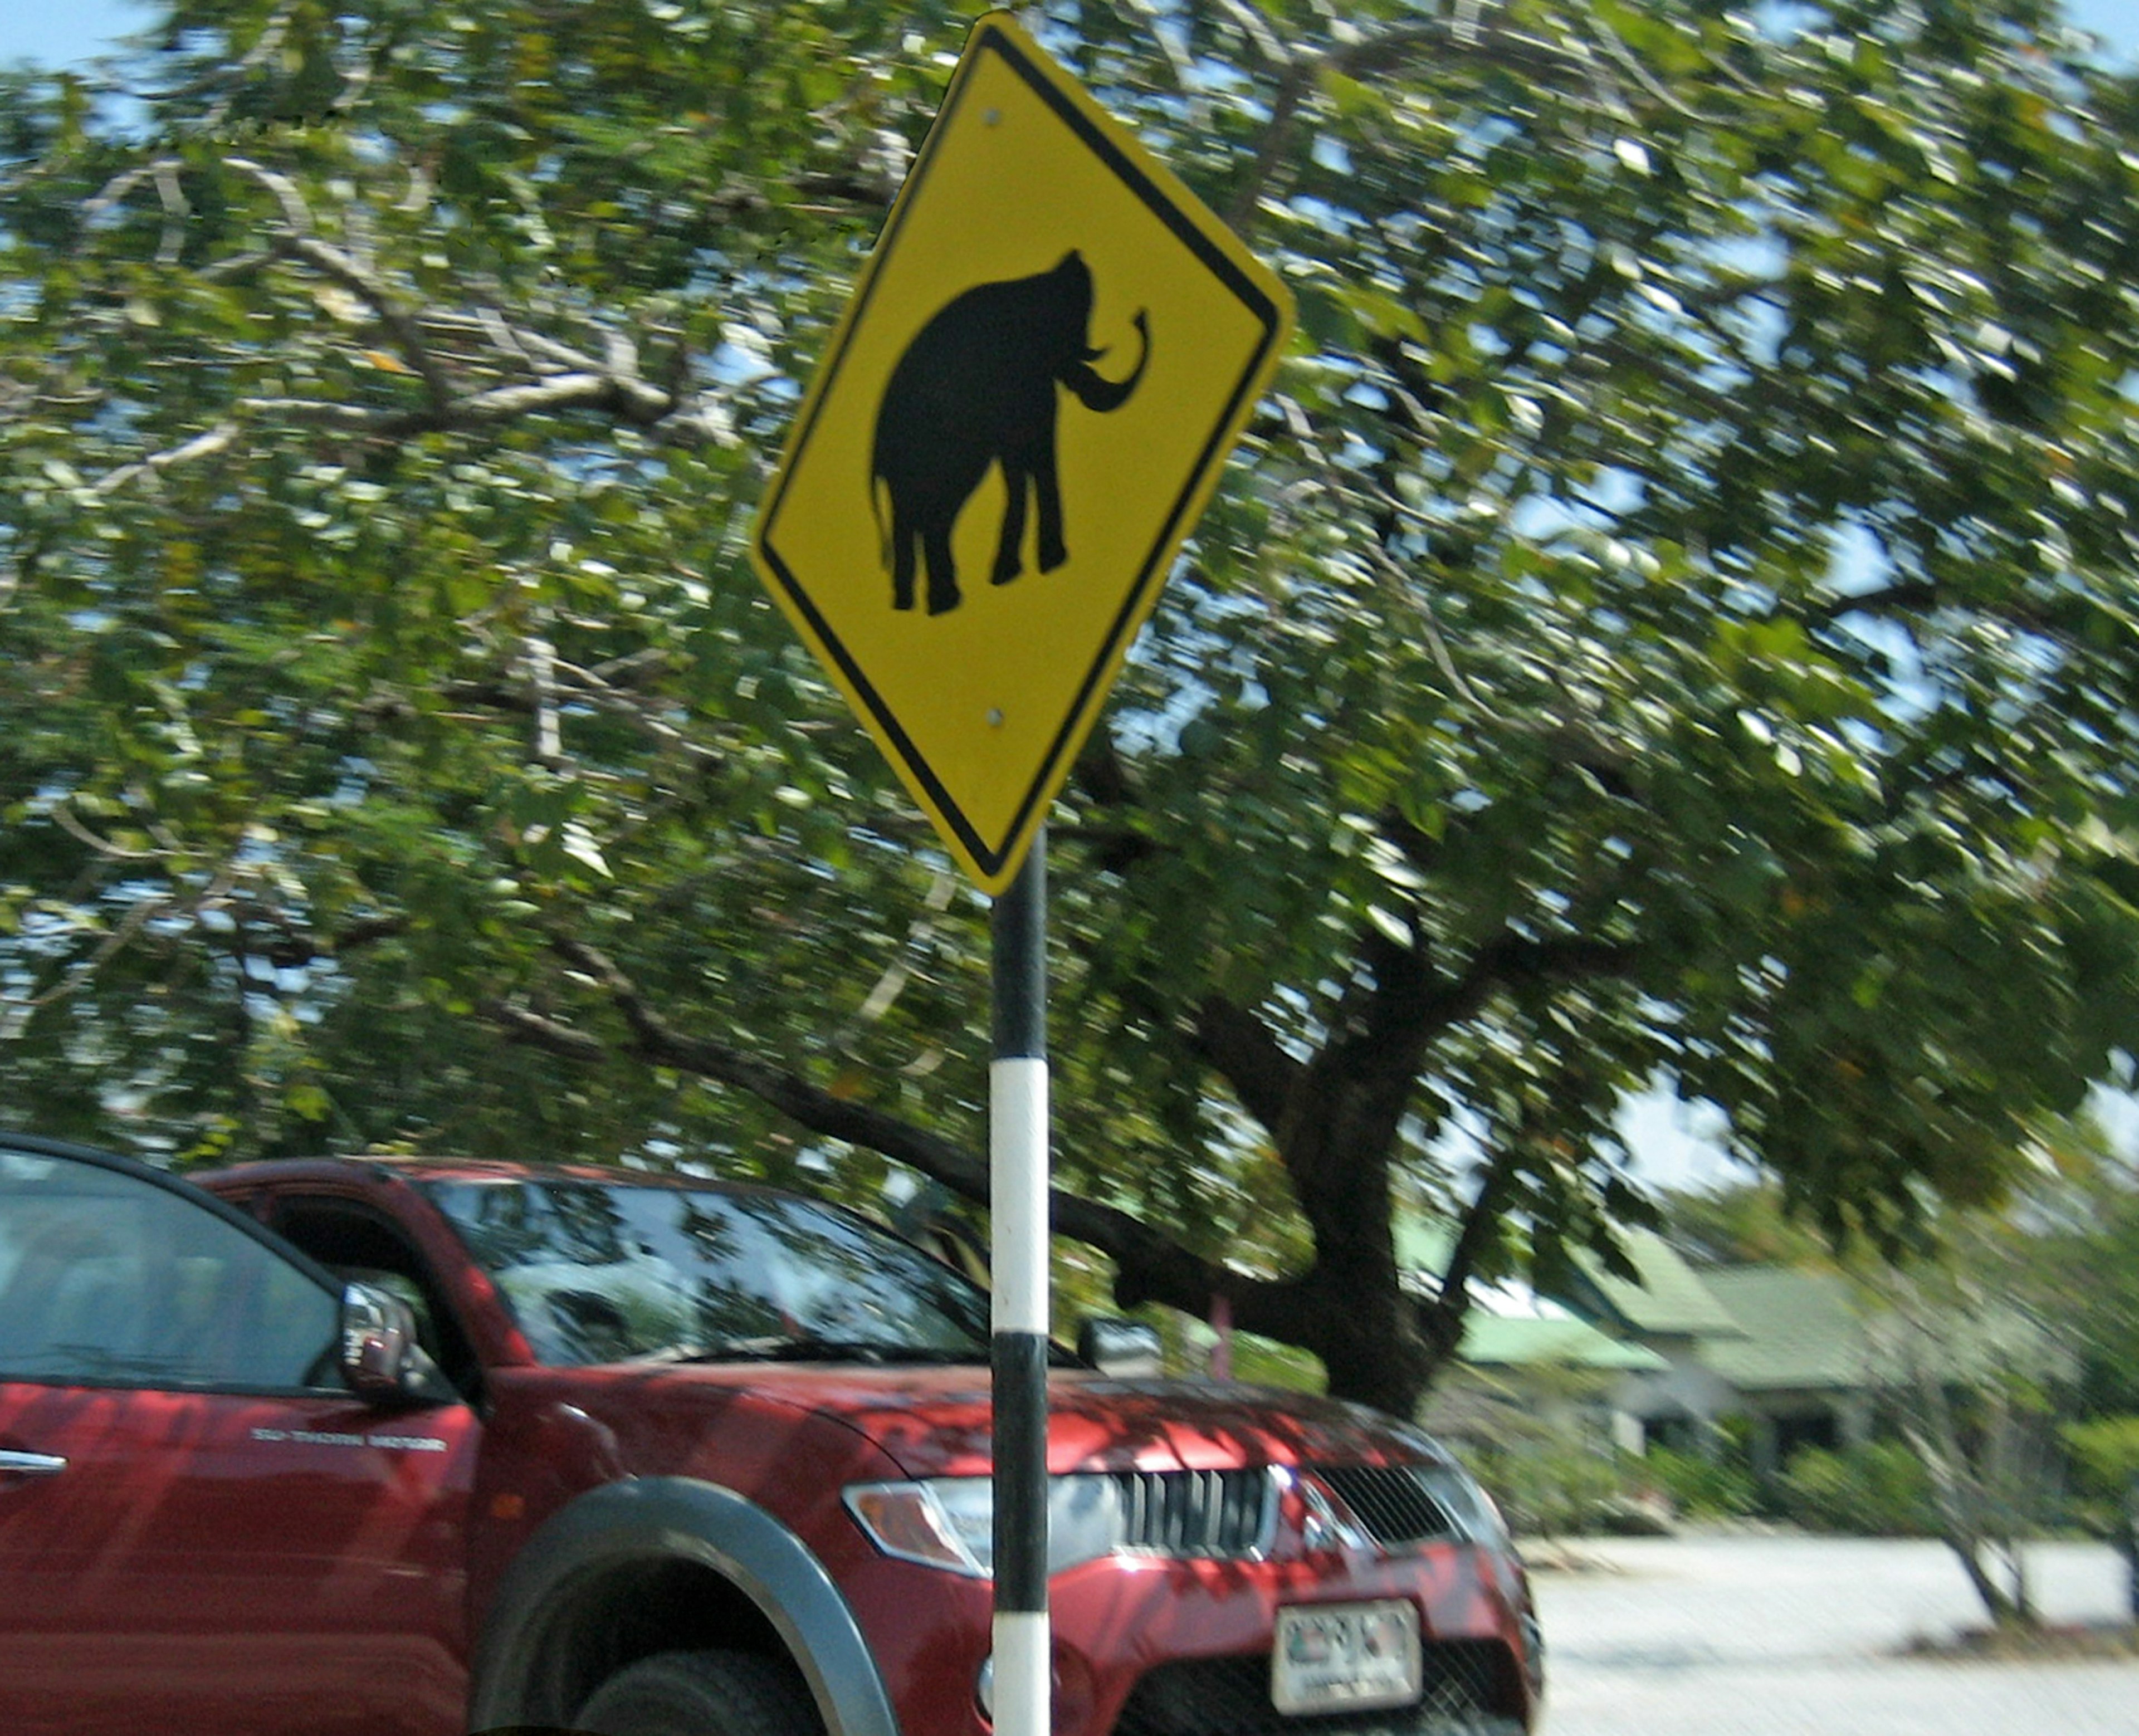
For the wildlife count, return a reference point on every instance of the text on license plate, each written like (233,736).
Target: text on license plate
(1336,1657)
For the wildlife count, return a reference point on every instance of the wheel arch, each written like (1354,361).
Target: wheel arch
(580,1601)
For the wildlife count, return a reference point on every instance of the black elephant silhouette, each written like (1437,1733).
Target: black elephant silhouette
(975,387)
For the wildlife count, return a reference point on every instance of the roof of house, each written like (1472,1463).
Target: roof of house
(1800,1329)
(1502,1341)
(1667,1298)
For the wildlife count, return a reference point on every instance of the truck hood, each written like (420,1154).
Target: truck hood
(935,1422)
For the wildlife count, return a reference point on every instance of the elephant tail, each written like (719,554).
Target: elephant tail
(879,480)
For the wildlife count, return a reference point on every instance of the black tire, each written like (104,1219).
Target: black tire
(700,1693)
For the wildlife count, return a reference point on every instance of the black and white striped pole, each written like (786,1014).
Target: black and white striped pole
(1017,1183)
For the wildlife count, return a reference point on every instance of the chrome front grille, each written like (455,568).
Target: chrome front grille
(1228,1514)
(1206,1514)
(1390,1503)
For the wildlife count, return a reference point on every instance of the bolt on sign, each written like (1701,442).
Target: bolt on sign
(1048,355)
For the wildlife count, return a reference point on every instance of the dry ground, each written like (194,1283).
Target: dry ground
(1812,1637)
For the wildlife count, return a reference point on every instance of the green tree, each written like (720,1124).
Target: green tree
(1672,618)
(2106,1454)
(1982,1346)
(2087,1271)
(1974,1382)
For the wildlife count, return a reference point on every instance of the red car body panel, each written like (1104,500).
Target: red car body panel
(248,1566)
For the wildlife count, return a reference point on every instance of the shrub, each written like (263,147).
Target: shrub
(2107,1453)
(1875,1490)
(1710,1488)
(1555,1490)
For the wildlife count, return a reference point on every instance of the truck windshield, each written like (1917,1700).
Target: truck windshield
(598,1272)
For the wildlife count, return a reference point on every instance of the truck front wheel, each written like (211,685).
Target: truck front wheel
(700,1693)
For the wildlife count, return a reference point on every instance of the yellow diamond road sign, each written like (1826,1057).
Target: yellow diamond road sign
(1048,355)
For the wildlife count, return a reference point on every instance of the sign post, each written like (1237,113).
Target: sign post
(1018,1215)
(1047,359)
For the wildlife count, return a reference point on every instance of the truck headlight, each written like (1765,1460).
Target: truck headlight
(949,1522)
(1463,1500)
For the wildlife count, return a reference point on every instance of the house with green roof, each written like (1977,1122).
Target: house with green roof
(1578,1355)
(1559,1339)
(1802,1357)
(1687,1346)
(1528,1368)
(1801,1364)
(1667,1310)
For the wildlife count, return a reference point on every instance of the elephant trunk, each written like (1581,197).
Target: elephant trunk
(1097,392)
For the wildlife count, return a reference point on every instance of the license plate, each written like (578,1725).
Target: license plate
(1345,1657)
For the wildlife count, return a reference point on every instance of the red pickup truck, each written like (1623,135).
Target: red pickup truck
(401,1448)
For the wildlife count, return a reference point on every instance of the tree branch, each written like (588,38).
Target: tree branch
(1150,1267)
(1512,961)
(1471,31)
(217,439)
(1441,1321)
(630,400)
(1151,1264)
(298,948)
(1246,1054)
(305,243)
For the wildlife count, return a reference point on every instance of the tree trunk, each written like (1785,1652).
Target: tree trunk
(2127,1546)
(1983,1540)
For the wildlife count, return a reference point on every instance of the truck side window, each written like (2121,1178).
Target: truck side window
(108,1279)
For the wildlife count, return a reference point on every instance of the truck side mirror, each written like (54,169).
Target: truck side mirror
(1127,1348)
(381,1362)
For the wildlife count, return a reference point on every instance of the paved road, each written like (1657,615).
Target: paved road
(1799,1636)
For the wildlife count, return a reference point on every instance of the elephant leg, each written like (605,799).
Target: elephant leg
(942,567)
(1047,490)
(903,542)
(1009,546)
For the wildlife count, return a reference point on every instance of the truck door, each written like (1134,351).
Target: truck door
(199,1531)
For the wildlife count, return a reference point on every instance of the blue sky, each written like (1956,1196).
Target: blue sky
(54,32)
